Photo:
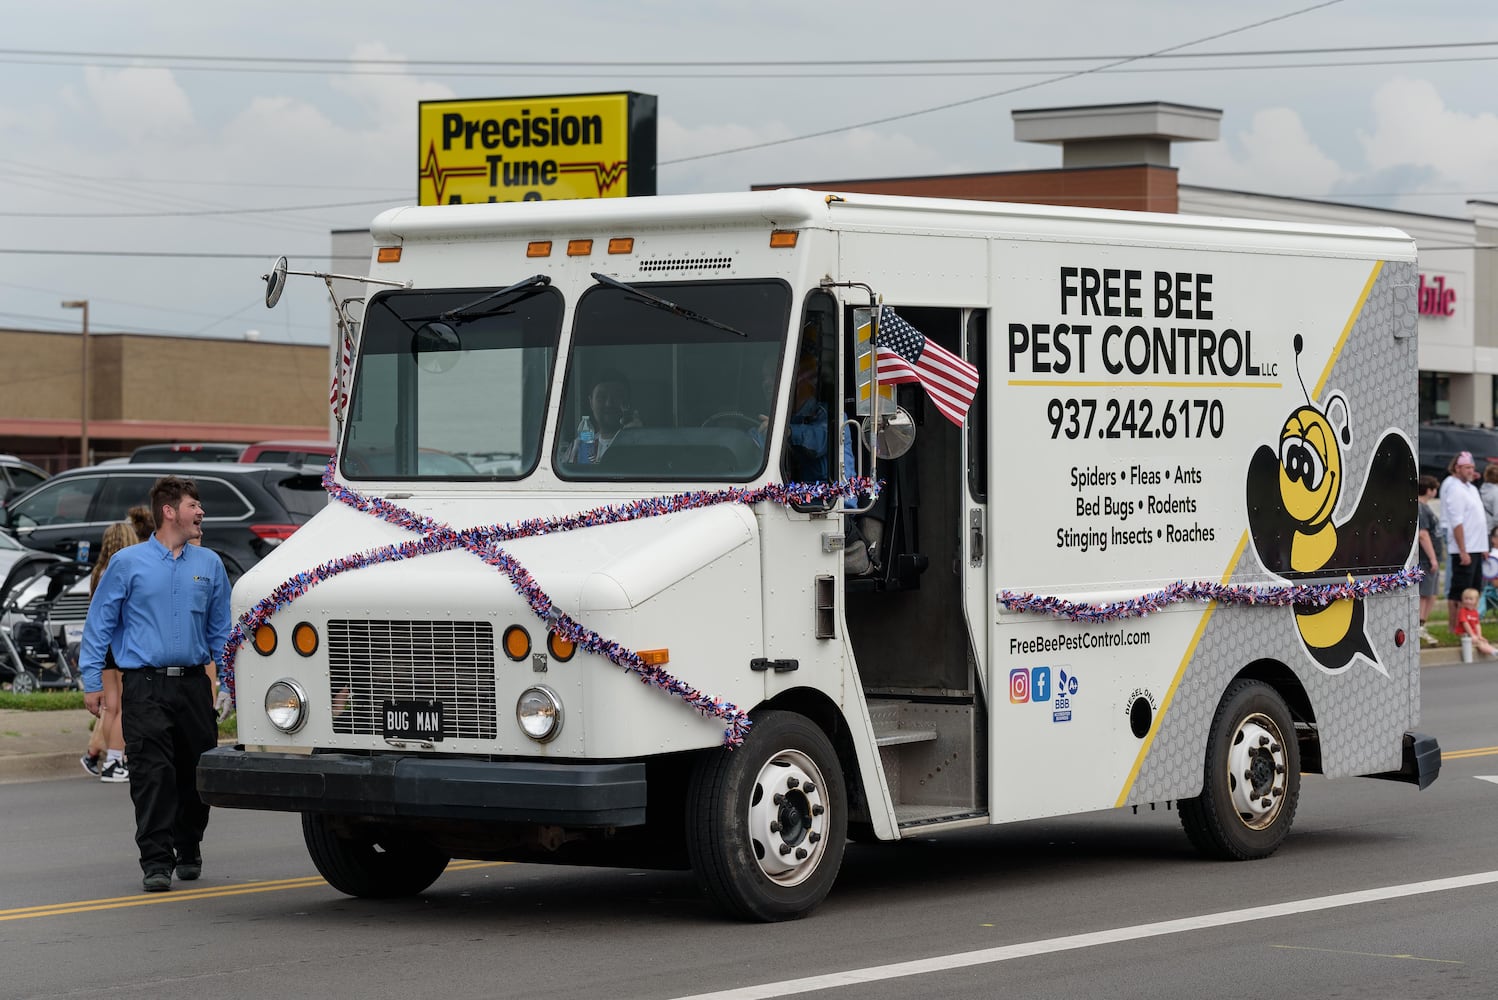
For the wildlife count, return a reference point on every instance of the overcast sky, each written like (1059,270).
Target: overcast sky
(159,109)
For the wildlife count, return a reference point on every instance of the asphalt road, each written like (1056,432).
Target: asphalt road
(1105,905)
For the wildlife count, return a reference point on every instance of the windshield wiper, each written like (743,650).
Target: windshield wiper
(667,305)
(535,280)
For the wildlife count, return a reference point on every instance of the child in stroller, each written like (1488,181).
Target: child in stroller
(33,651)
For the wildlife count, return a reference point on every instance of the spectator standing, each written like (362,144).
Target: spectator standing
(1429,530)
(107,740)
(1466,530)
(1488,490)
(163,607)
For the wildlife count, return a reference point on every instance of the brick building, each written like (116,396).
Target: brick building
(152,388)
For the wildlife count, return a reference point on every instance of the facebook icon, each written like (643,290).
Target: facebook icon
(1040,683)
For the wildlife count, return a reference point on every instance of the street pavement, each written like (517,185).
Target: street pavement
(39,746)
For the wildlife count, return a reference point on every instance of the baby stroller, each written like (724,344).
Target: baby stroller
(33,650)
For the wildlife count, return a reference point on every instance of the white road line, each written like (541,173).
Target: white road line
(1487,777)
(986,956)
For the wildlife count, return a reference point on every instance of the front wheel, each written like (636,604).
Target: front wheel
(370,864)
(767,822)
(1251,784)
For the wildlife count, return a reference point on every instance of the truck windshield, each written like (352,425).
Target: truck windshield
(672,395)
(455,396)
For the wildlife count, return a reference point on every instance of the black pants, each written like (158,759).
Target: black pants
(168,723)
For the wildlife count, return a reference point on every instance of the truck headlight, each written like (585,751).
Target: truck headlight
(539,712)
(286,705)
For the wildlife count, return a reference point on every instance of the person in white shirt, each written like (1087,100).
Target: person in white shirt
(1466,529)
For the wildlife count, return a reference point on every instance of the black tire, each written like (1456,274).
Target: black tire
(762,844)
(370,865)
(1251,783)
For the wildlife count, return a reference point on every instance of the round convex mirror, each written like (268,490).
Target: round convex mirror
(275,283)
(436,347)
(889,435)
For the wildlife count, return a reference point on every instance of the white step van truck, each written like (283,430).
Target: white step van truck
(710,531)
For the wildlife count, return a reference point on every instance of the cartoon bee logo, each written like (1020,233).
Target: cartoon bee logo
(1293,492)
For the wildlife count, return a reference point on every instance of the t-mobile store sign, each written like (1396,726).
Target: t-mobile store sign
(1435,298)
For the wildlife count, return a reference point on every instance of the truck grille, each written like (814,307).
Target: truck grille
(370,662)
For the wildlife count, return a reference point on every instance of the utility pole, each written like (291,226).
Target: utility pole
(83,381)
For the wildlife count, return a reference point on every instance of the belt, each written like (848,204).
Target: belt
(196,668)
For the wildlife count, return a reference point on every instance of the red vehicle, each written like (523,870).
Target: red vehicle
(296,453)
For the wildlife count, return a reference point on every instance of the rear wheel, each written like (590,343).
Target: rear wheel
(367,863)
(24,683)
(767,822)
(1251,783)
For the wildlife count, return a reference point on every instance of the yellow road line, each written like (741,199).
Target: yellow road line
(184,895)
(1474,752)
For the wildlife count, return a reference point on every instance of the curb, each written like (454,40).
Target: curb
(19,767)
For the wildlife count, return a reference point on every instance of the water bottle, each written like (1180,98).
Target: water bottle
(587,442)
(83,548)
(1467,649)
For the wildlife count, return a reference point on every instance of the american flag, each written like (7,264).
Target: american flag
(905,355)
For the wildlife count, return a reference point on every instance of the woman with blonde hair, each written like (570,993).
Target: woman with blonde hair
(108,739)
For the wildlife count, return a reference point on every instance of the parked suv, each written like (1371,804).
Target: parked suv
(17,476)
(248,509)
(210,451)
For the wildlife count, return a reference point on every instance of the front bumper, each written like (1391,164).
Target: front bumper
(415,787)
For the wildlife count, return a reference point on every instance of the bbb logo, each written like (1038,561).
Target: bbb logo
(1029,685)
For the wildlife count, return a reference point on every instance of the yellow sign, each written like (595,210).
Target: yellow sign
(536,148)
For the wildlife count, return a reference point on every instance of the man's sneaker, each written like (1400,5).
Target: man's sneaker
(114,772)
(156,882)
(1426,637)
(90,763)
(190,869)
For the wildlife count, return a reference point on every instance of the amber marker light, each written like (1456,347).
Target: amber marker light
(655,657)
(265,639)
(622,244)
(517,643)
(579,248)
(538,248)
(783,238)
(304,638)
(561,648)
(388,255)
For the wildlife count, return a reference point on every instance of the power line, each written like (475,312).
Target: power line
(1000,93)
(447,62)
(182,254)
(194,213)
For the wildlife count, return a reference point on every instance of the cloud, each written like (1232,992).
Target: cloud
(1275,155)
(140,103)
(1413,127)
(861,153)
(390,96)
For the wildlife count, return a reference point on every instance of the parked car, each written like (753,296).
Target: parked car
(17,476)
(297,453)
(1440,443)
(208,451)
(248,509)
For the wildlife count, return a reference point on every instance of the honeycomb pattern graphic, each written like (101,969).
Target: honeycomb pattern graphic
(1361,711)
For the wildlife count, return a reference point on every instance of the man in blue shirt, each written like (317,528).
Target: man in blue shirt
(163,607)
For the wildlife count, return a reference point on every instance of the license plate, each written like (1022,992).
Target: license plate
(413,720)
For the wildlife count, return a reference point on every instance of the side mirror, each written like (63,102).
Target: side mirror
(889,435)
(275,283)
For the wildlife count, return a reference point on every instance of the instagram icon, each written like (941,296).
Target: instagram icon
(1019,686)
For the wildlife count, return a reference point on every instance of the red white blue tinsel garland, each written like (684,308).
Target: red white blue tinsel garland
(1318,595)
(484,542)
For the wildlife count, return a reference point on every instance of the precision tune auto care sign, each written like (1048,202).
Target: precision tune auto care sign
(536,148)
